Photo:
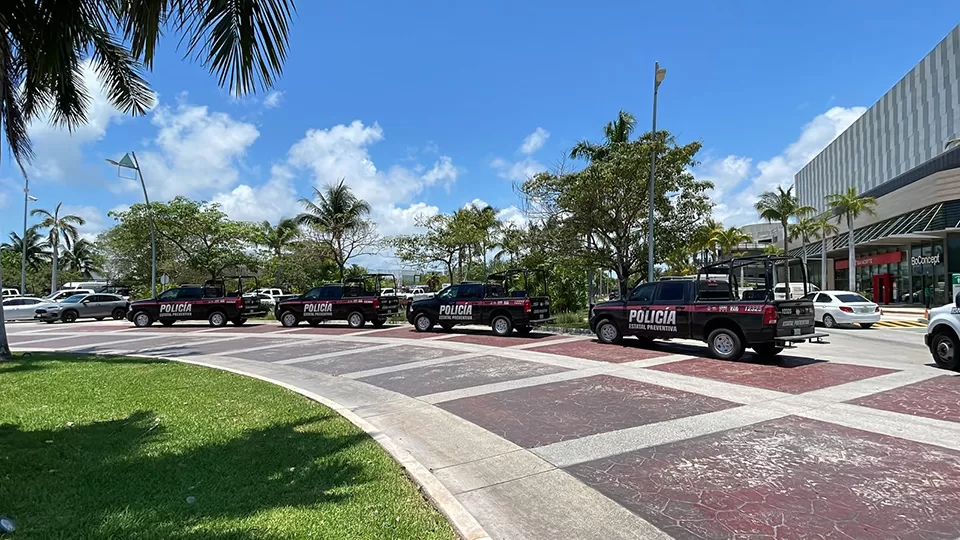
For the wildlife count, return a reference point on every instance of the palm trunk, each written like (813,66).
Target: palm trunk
(53,274)
(5,353)
(804,255)
(851,256)
(823,264)
(785,225)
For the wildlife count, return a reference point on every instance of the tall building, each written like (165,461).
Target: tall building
(905,152)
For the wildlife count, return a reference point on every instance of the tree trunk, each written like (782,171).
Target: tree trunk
(53,274)
(804,256)
(5,353)
(851,256)
(278,274)
(785,228)
(823,264)
(590,294)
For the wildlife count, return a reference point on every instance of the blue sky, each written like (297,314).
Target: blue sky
(426,106)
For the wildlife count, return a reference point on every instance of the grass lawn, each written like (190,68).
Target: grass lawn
(128,448)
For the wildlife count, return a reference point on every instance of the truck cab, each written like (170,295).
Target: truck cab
(356,300)
(504,302)
(710,310)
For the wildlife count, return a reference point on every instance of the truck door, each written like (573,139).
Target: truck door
(638,303)
(192,300)
(450,310)
(669,315)
(469,300)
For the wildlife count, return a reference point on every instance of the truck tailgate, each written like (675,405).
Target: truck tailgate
(539,309)
(389,305)
(794,317)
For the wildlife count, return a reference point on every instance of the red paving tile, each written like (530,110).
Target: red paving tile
(262,328)
(937,398)
(173,328)
(793,376)
(406,332)
(555,412)
(594,350)
(787,478)
(88,327)
(327,330)
(508,341)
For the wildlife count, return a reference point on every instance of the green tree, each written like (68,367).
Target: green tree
(614,133)
(38,252)
(607,203)
(805,229)
(824,229)
(509,244)
(337,219)
(773,249)
(278,240)
(728,239)
(781,206)
(849,206)
(58,228)
(83,259)
(43,43)
(443,242)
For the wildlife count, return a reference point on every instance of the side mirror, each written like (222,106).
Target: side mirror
(85,301)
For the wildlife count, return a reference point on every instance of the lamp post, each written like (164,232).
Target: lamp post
(23,239)
(129,161)
(658,74)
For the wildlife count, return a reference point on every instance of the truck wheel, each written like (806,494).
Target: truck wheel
(142,319)
(725,344)
(422,322)
(943,346)
(167,323)
(767,350)
(118,314)
(355,320)
(69,316)
(501,325)
(240,322)
(524,330)
(379,323)
(447,326)
(217,319)
(289,319)
(829,321)
(608,332)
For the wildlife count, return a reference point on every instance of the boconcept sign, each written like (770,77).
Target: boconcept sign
(926,259)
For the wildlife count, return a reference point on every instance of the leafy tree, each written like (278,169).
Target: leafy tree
(772,249)
(607,203)
(42,44)
(804,229)
(58,228)
(38,253)
(441,243)
(849,206)
(338,220)
(278,240)
(824,229)
(83,259)
(509,244)
(728,239)
(614,133)
(781,206)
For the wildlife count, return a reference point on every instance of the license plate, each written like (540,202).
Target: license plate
(797,331)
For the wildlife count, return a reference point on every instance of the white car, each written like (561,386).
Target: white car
(7,293)
(63,294)
(22,308)
(942,336)
(843,307)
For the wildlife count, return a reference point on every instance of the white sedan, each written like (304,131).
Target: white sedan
(843,307)
(22,308)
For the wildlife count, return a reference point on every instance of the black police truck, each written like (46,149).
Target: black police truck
(709,307)
(356,300)
(495,302)
(210,302)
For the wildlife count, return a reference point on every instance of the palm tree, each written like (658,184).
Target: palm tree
(278,239)
(849,205)
(485,219)
(37,252)
(772,249)
(805,228)
(824,229)
(58,227)
(336,213)
(83,258)
(728,239)
(615,132)
(510,243)
(781,206)
(42,51)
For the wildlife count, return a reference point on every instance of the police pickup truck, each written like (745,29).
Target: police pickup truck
(492,303)
(356,300)
(710,310)
(210,302)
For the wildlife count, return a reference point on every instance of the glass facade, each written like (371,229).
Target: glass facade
(919,277)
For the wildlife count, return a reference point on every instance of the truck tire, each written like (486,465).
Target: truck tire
(725,344)
(608,332)
(289,319)
(422,322)
(217,319)
(524,330)
(69,316)
(501,325)
(767,350)
(355,320)
(167,323)
(447,326)
(142,319)
(119,314)
(943,347)
(379,323)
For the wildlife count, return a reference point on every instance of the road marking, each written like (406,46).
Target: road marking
(412,365)
(492,388)
(335,354)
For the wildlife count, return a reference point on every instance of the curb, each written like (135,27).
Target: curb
(462,521)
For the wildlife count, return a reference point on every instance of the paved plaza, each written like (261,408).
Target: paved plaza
(562,437)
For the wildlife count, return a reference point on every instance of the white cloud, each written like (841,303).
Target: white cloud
(195,151)
(514,215)
(272,201)
(739,184)
(95,220)
(535,141)
(394,220)
(518,171)
(272,99)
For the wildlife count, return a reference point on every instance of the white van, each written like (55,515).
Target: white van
(9,293)
(93,285)
(796,290)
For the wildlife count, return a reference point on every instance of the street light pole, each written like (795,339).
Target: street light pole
(129,161)
(658,75)
(23,239)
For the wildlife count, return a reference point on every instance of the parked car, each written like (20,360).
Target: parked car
(63,294)
(843,307)
(20,308)
(97,306)
(7,293)
(942,336)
